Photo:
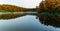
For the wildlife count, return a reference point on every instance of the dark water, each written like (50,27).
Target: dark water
(25,23)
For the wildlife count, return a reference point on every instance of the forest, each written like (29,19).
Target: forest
(13,8)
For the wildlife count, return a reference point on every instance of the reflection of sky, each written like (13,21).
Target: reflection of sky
(28,22)
(23,3)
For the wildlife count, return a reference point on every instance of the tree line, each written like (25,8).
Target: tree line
(13,8)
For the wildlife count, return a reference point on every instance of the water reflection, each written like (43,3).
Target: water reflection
(12,15)
(25,23)
(52,19)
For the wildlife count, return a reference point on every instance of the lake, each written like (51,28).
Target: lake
(25,23)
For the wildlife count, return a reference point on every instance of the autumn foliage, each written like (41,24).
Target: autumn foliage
(49,12)
(12,8)
(49,5)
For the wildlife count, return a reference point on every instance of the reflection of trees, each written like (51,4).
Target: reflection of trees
(10,16)
(50,8)
(13,8)
(50,20)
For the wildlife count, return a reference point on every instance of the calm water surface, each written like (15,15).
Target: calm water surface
(25,23)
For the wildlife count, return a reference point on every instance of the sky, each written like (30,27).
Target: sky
(22,3)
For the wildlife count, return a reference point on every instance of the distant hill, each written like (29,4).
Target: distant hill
(13,8)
